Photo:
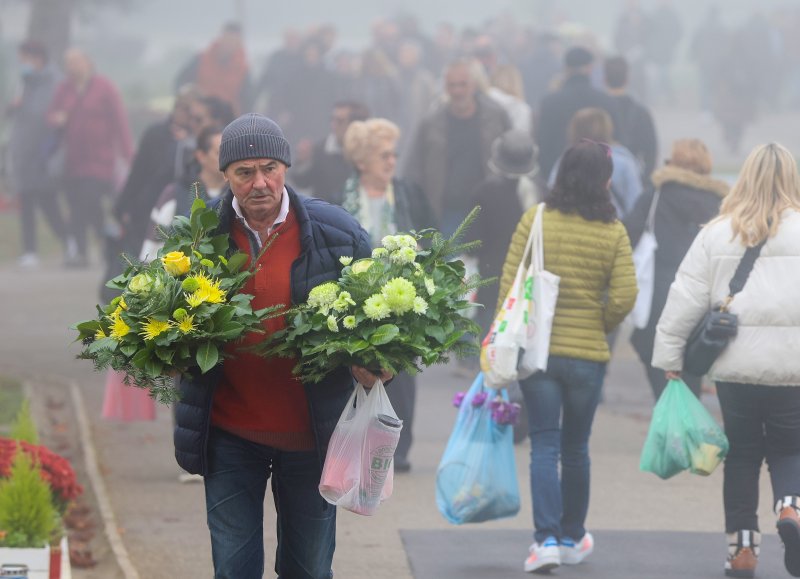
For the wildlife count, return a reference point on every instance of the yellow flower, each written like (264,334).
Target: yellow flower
(186,325)
(119,329)
(100,334)
(176,263)
(122,303)
(153,328)
(207,291)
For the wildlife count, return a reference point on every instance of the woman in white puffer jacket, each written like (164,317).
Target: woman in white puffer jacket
(758,374)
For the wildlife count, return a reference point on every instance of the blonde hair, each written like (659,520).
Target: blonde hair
(362,137)
(768,184)
(591,123)
(508,79)
(692,155)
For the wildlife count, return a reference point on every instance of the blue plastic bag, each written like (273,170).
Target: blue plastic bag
(477,476)
(682,435)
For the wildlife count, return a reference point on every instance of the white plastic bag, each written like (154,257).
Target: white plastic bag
(359,469)
(518,343)
(644,260)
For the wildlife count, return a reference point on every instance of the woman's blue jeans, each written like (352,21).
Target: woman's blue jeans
(235,488)
(561,404)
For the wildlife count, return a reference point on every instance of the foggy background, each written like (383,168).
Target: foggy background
(141,44)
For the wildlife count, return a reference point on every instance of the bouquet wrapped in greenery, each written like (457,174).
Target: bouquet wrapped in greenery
(175,314)
(401,308)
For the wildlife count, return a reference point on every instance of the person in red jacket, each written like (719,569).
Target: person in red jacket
(91,130)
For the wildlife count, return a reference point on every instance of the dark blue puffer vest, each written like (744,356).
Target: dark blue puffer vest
(327,232)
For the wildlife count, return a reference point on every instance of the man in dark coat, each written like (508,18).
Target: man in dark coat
(251,419)
(450,151)
(633,124)
(35,188)
(558,107)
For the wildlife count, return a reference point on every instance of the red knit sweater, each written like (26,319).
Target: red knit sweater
(258,398)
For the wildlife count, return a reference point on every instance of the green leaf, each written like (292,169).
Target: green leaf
(384,334)
(165,355)
(207,356)
(103,344)
(140,358)
(205,248)
(129,349)
(209,220)
(231,330)
(153,367)
(354,346)
(437,333)
(236,261)
(198,204)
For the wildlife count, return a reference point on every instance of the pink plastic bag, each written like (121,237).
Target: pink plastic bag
(126,403)
(359,470)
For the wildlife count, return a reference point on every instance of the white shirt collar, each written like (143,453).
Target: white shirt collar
(282,214)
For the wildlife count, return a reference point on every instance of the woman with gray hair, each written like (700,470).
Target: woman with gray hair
(385,205)
(758,374)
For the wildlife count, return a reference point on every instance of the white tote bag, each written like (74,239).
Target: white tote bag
(644,260)
(518,343)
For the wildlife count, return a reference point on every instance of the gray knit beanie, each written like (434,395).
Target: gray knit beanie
(253,136)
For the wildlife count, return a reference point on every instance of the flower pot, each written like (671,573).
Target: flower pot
(37,560)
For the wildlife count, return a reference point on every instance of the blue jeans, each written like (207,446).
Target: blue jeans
(561,404)
(235,488)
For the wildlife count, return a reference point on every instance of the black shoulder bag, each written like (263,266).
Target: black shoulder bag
(711,336)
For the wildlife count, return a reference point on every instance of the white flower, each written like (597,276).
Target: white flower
(405,241)
(403,256)
(345,260)
(420,305)
(349,322)
(332,325)
(379,252)
(390,242)
(429,285)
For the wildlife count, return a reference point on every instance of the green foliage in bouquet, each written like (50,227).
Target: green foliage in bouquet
(176,314)
(401,309)
(27,515)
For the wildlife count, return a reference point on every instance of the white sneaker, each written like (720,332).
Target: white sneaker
(572,554)
(28,260)
(543,557)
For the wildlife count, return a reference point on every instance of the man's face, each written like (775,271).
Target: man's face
(340,120)
(459,85)
(258,186)
(77,65)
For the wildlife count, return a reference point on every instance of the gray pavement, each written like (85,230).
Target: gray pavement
(162,522)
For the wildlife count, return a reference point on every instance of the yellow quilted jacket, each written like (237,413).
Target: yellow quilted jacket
(598,281)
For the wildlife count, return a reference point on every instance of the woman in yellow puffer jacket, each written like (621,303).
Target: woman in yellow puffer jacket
(588,248)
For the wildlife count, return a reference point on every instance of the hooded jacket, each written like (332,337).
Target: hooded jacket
(687,201)
(327,233)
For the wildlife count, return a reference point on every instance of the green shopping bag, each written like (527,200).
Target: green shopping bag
(682,435)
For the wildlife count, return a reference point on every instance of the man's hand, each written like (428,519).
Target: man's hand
(673,375)
(367,378)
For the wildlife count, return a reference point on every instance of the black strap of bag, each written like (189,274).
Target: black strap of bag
(711,336)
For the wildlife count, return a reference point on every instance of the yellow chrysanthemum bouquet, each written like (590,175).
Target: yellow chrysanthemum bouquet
(400,309)
(176,314)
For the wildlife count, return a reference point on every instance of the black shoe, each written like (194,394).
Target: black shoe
(401,465)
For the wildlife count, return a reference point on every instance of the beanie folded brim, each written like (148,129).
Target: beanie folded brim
(254,146)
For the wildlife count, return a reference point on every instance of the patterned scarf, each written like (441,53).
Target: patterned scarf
(356,202)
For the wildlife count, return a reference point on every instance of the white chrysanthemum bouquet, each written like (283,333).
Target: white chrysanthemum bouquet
(176,314)
(403,307)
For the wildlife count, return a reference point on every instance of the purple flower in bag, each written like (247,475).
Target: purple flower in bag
(458,399)
(504,412)
(479,398)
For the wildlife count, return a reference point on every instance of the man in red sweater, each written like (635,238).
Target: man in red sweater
(254,420)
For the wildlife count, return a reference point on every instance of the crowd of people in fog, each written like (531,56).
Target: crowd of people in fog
(416,130)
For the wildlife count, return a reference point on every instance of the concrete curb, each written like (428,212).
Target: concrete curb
(99,487)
